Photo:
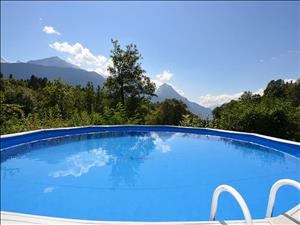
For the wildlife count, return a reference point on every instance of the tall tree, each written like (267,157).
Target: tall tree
(89,97)
(275,88)
(170,111)
(127,83)
(98,100)
(36,83)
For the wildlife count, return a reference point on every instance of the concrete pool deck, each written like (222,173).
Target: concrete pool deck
(292,217)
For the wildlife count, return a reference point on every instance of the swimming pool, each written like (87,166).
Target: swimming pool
(141,173)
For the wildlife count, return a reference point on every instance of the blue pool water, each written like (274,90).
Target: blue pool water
(143,176)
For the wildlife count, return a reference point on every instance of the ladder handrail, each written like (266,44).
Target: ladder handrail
(274,190)
(237,197)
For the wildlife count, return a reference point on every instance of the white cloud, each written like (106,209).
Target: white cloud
(72,61)
(81,163)
(290,80)
(50,30)
(259,91)
(81,56)
(48,189)
(160,144)
(212,101)
(216,100)
(163,77)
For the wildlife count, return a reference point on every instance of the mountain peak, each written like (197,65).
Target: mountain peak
(53,61)
(166,91)
(3,60)
(53,58)
(166,86)
(43,68)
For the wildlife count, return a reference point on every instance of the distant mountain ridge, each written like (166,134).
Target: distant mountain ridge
(52,68)
(3,60)
(166,91)
(55,68)
(54,62)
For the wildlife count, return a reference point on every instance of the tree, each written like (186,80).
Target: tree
(275,88)
(56,100)
(170,111)
(22,96)
(79,99)
(190,120)
(248,96)
(36,83)
(127,83)
(98,100)
(292,92)
(89,97)
(270,116)
(2,84)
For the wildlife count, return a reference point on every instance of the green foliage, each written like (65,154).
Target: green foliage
(112,116)
(57,104)
(36,83)
(127,83)
(275,88)
(89,97)
(16,92)
(9,111)
(190,120)
(276,113)
(125,99)
(98,100)
(38,103)
(56,100)
(170,111)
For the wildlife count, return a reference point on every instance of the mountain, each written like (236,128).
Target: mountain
(166,91)
(52,68)
(53,62)
(55,68)
(3,60)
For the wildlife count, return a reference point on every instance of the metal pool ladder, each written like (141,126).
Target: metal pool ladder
(236,195)
(274,190)
(242,203)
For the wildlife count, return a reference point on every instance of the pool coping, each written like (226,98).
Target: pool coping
(282,145)
(151,126)
(289,218)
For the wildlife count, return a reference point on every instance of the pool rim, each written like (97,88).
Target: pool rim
(9,141)
(37,219)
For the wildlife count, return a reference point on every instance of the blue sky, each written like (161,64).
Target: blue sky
(208,50)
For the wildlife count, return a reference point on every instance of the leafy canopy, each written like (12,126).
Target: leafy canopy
(127,83)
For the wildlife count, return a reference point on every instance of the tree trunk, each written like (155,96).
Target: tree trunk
(122,92)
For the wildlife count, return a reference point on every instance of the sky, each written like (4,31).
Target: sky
(209,52)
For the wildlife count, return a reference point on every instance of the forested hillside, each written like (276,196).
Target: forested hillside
(276,113)
(126,97)
(38,103)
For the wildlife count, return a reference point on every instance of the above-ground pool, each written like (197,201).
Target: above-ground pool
(143,173)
